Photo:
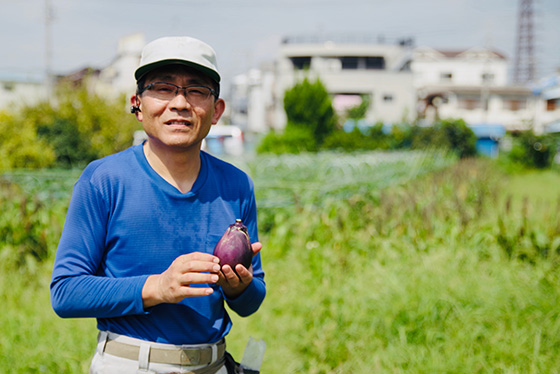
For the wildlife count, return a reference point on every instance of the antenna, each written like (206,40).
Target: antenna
(524,68)
(48,49)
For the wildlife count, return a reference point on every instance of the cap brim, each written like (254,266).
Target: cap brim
(145,69)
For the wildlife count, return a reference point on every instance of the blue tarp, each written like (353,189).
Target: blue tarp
(488,130)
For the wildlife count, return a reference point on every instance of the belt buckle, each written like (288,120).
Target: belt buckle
(190,357)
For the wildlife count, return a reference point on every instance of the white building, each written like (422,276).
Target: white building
(472,85)
(251,103)
(118,76)
(402,82)
(473,67)
(17,90)
(349,70)
(549,92)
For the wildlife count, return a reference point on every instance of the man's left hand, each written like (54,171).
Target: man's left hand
(234,284)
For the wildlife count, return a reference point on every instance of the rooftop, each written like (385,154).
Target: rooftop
(347,39)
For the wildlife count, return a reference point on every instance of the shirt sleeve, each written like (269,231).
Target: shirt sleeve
(78,287)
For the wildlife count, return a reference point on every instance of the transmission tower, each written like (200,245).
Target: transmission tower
(525,67)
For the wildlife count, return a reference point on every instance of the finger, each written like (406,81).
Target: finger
(198,256)
(198,278)
(245,275)
(230,277)
(196,291)
(199,266)
(256,247)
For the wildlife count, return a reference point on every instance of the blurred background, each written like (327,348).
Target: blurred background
(490,62)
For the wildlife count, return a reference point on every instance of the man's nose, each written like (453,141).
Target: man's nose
(180,99)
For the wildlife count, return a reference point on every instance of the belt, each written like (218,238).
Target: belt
(175,356)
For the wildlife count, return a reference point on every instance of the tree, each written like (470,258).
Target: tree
(308,105)
(20,146)
(80,126)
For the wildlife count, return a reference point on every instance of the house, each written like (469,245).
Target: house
(349,69)
(21,89)
(402,84)
(548,90)
(117,78)
(473,85)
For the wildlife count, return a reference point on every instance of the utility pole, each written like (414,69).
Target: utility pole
(525,64)
(48,50)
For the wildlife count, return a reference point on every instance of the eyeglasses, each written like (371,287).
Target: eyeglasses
(195,94)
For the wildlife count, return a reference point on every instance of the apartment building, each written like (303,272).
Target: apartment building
(403,83)
(473,85)
(351,70)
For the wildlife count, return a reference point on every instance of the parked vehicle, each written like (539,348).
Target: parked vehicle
(222,140)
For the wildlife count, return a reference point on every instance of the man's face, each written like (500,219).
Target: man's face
(177,124)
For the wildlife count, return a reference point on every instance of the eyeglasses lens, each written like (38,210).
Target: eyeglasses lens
(167,91)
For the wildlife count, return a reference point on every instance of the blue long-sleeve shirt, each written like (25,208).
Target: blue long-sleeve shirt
(125,223)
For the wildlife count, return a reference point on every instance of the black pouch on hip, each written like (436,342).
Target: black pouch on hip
(233,367)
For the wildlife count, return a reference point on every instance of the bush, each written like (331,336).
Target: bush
(458,136)
(30,224)
(359,111)
(294,139)
(20,146)
(534,151)
(348,141)
(77,128)
(450,134)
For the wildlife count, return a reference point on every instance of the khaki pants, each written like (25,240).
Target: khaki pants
(106,363)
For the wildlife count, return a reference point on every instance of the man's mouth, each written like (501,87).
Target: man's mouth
(177,122)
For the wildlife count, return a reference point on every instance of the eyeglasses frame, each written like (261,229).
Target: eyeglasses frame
(148,86)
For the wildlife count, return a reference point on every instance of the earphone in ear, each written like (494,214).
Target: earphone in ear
(134,109)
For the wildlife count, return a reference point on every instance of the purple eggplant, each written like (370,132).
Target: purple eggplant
(235,246)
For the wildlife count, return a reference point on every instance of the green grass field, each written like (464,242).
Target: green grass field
(405,265)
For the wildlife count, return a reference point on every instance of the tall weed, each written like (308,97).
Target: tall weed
(408,279)
(386,267)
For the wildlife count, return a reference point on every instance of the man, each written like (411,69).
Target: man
(136,248)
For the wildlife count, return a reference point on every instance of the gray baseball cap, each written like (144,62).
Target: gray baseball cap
(178,50)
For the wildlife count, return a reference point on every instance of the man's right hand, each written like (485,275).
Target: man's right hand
(174,284)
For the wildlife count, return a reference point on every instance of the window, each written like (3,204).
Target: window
(362,62)
(469,103)
(446,77)
(515,104)
(301,63)
(375,63)
(349,63)
(487,77)
(552,104)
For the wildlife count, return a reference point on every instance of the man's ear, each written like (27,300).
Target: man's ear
(135,107)
(219,108)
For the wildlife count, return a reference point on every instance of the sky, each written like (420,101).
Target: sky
(245,33)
